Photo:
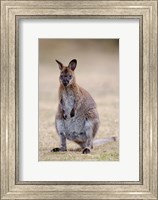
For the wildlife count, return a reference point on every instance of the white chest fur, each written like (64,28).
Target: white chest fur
(68,99)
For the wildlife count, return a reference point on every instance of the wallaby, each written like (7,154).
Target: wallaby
(77,118)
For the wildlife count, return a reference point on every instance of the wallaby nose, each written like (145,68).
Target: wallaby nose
(65,82)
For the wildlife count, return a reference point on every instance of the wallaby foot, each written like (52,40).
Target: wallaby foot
(58,149)
(86,150)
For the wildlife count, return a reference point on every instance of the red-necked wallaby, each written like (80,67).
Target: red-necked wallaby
(77,118)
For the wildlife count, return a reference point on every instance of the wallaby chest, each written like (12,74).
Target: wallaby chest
(73,124)
(68,100)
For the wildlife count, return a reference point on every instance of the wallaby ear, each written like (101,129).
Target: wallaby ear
(72,65)
(60,64)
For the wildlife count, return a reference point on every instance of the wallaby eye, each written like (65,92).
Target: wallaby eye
(61,76)
(70,76)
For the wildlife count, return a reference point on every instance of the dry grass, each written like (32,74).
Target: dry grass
(103,84)
(108,152)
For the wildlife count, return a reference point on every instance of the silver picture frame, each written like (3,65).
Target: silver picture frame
(146,12)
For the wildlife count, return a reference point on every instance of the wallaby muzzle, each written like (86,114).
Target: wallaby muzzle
(65,82)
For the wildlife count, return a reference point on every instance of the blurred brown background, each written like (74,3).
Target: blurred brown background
(98,72)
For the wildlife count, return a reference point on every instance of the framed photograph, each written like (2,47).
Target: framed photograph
(78,99)
(87,73)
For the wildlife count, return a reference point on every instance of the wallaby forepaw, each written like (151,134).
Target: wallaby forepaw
(64,116)
(58,149)
(86,151)
(72,114)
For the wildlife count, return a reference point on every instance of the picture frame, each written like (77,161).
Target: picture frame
(11,187)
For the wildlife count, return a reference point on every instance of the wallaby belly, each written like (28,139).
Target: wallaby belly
(75,128)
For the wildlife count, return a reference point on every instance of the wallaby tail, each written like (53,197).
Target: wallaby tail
(98,142)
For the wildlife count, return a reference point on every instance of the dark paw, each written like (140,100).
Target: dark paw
(86,151)
(65,116)
(58,149)
(55,150)
(72,114)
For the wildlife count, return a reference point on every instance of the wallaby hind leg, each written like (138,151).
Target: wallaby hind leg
(62,144)
(61,131)
(89,128)
(88,144)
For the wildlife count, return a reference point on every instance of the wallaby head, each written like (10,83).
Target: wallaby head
(67,76)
